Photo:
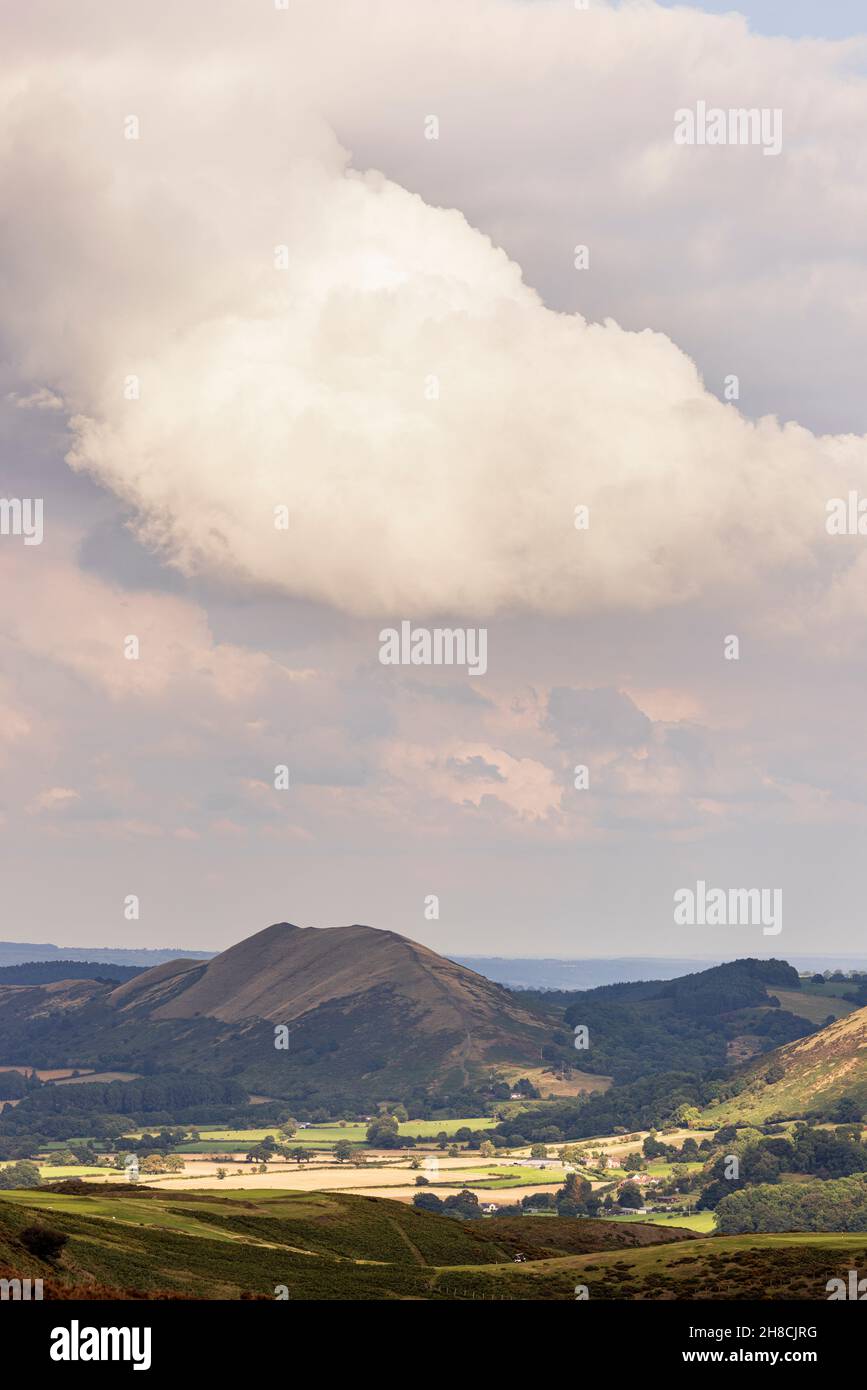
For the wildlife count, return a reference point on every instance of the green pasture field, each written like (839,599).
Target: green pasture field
(429,1129)
(503,1178)
(666,1169)
(831,989)
(219,1139)
(814,1007)
(55,1172)
(703,1221)
(49,1172)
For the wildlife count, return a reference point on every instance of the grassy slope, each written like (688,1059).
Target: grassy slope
(819,1069)
(703,1221)
(815,1007)
(341,1247)
(318,1246)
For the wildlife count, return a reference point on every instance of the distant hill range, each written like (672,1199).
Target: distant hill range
(526,972)
(43,972)
(529,972)
(23,952)
(516,972)
(367,1013)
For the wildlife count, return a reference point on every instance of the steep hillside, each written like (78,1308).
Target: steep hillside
(285,972)
(368,1013)
(804,1077)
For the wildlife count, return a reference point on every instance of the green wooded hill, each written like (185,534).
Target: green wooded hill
(696,1023)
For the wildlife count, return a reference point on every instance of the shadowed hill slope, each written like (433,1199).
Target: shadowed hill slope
(369,1014)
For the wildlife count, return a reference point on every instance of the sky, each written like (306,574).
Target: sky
(325,320)
(820,19)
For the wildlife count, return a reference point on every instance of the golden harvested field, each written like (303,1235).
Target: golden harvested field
(580,1083)
(387,1176)
(398,1184)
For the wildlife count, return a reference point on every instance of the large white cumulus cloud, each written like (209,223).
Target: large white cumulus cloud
(429,423)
